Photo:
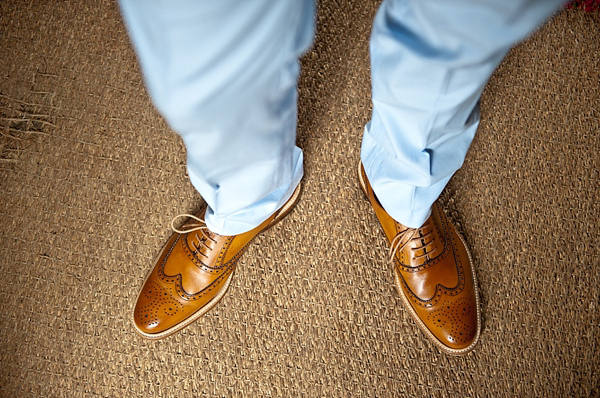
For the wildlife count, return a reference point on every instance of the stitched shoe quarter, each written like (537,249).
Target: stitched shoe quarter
(434,276)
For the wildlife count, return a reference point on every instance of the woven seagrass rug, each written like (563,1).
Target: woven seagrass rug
(91,175)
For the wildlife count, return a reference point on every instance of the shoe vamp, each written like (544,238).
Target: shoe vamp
(424,281)
(184,265)
(161,305)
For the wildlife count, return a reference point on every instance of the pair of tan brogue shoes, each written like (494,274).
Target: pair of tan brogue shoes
(433,271)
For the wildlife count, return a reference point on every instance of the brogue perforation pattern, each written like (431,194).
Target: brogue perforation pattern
(450,317)
(161,301)
(177,279)
(439,289)
(196,296)
(191,253)
(161,274)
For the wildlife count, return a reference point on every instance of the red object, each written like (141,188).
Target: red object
(586,5)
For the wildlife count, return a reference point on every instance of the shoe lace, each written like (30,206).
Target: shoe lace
(423,235)
(202,232)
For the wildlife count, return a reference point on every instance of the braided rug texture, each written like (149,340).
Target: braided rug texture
(91,175)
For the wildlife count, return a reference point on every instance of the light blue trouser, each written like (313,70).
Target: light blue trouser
(224,75)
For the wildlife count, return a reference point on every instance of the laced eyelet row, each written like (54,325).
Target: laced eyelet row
(408,235)
(200,242)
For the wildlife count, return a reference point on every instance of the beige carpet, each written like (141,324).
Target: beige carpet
(90,177)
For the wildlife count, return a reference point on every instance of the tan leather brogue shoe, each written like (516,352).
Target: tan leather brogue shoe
(192,273)
(434,275)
